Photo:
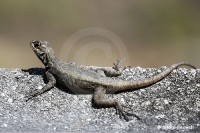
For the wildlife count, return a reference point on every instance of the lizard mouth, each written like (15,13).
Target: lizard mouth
(32,46)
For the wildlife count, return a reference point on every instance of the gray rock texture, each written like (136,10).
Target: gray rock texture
(171,105)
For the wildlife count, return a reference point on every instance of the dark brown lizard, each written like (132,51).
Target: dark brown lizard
(83,79)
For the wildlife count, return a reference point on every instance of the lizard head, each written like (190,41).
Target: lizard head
(43,51)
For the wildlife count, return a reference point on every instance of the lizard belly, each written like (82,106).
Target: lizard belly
(76,85)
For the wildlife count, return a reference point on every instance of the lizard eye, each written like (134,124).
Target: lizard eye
(37,44)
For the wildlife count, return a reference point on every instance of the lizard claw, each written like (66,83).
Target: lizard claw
(28,97)
(124,113)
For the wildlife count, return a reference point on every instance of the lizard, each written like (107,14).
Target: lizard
(98,82)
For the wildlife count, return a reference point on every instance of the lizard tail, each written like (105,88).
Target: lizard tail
(130,85)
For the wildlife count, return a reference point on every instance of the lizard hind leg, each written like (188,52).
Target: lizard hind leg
(117,66)
(98,99)
(115,71)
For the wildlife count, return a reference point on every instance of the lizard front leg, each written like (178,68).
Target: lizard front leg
(100,101)
(51,82)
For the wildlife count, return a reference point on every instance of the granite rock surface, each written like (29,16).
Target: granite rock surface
(170,105)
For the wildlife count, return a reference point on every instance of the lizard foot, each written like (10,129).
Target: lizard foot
(117,66)
(30,96)
(124,113)
(27,98)
(130,114)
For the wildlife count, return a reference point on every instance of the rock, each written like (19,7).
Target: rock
(167,106)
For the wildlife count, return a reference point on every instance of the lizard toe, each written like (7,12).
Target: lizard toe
(124,113)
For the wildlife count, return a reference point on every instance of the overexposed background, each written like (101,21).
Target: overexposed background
(155,33)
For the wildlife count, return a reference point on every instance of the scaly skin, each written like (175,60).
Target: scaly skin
(81,79)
